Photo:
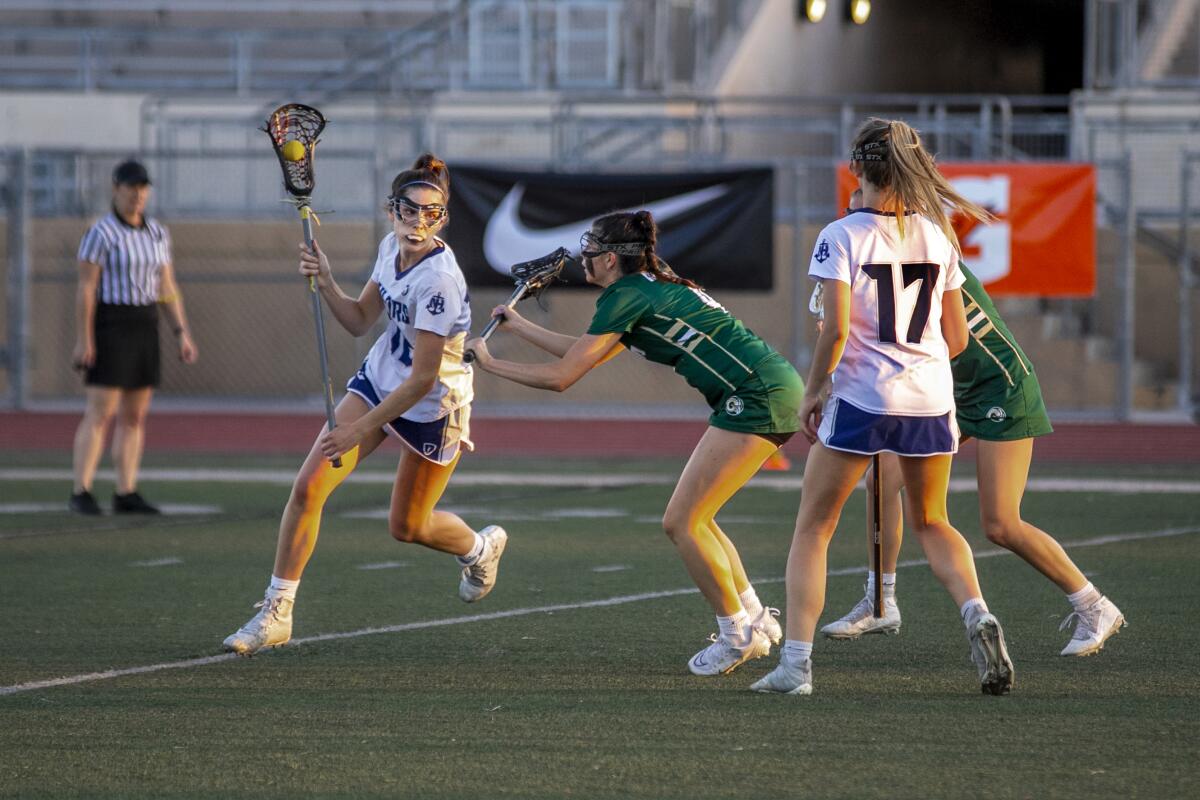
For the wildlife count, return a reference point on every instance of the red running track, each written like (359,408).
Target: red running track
(172,432)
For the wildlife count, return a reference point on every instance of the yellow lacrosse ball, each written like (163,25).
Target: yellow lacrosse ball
(293,150)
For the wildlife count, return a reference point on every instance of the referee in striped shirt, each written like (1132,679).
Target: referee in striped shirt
(125,273)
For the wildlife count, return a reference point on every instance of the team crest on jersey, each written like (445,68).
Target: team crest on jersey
(997,414)
(734,406)
(436,304)
(822,254)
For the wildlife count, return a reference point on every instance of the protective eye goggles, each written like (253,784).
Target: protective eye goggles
(409,212)
(591,246)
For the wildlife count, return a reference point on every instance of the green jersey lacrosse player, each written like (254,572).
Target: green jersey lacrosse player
(999,404)
(754,394)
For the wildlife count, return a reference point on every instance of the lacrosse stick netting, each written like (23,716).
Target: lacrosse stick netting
(295,122)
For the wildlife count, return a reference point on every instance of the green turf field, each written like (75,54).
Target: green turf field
(541,690)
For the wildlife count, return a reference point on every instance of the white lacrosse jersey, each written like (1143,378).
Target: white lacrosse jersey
(430,296)
(895,361)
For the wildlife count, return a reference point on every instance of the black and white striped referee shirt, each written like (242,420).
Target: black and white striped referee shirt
(130,259)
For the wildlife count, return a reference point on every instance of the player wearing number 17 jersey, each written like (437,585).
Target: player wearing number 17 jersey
(893,318)
(895,361)
(413,385)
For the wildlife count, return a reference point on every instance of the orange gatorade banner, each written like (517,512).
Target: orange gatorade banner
(1044,244)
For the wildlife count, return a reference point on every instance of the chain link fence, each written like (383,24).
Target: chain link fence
(1123,352)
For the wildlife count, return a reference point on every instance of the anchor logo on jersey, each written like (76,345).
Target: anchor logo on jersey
(436,304)
(822,254)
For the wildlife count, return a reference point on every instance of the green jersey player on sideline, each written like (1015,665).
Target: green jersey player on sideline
(754,394)
(999,404)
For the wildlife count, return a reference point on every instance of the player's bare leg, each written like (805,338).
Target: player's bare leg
(721,464)
(1003,469)
(299,527)
(829,478)
(861,619)
(300,523)
(950,557)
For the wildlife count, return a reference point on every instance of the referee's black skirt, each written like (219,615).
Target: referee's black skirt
(126,347)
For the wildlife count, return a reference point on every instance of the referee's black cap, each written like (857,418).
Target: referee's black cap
(131,173)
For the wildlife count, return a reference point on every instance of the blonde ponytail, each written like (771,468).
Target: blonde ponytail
(895,161)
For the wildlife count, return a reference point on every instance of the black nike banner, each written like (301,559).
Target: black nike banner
(713,227)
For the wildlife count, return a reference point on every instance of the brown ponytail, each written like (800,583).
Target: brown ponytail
(894,160)
(637,228)
(427,169)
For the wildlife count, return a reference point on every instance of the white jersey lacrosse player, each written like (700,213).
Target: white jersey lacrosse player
(413,385)
(430,296)
(896,361)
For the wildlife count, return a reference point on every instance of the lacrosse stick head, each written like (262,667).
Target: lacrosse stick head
(539,273)
(296,123)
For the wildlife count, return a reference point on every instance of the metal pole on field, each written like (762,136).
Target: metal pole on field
(1127,286)
(20,267)
(1187,281)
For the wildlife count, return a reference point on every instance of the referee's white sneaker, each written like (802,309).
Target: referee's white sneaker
(862,620)
(787,678)
(723,656)
(270,627)
(1093,626)
(479,578)
(988,651)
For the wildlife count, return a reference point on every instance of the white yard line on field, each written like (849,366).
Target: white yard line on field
(72,680)
(592,480)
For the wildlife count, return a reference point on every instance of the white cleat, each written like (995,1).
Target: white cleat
(723,656)
(479,578)
(1094,625)
(862,620)
(270,627)
(787,678)
(988,651)
(767,624)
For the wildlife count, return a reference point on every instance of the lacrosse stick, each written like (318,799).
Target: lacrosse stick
(288,126)
(532,277)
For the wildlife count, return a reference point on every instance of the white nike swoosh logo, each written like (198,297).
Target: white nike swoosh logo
(507,241)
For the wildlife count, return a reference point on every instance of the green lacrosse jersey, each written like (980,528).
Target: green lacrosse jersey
(992,352)
(684,328)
